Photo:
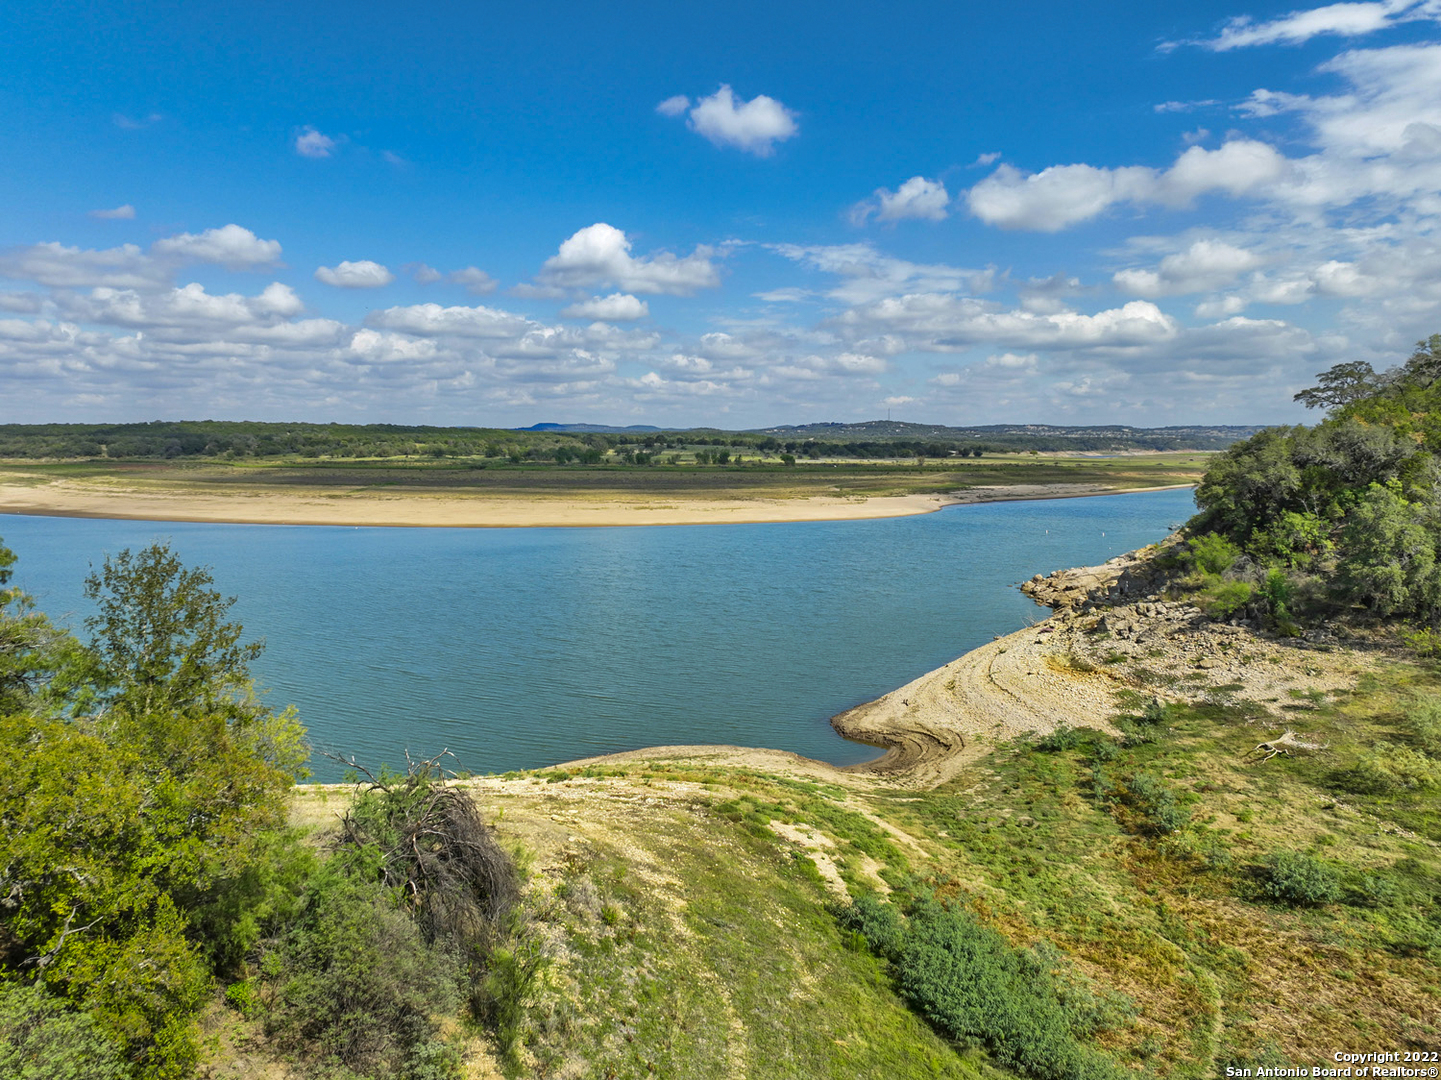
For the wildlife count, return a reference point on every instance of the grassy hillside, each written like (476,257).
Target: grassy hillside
(1209,907)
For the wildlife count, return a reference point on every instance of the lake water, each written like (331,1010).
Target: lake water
(517,648)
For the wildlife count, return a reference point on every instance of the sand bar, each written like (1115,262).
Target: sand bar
(115,498)
(433,509)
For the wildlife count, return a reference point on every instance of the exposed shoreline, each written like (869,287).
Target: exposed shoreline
(67,498)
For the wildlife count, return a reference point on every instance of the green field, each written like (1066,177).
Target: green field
(753,478)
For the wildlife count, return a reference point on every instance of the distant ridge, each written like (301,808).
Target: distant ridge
(597,428)
(899,429)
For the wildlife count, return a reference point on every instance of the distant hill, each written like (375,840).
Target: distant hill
(590,428)
(1028,436)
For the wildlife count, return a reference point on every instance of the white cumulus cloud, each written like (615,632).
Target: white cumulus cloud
(939,322)
(362,274)
(432,320)
(230,246)
(600,254)
(867,273)
(313,144)
(1065,195)
(617,307)
(918,198)
(62,267)
(754,126)
(189,307)
(1343,19)
(1205,266)
(477,282)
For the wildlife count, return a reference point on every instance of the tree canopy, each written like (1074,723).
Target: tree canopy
(1357,497)
(142,789)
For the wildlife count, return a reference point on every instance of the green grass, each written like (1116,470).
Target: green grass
(735,964)
(1184,923)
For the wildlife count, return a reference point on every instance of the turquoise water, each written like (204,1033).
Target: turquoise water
(517,648)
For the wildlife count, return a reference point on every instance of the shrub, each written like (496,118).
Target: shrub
(42,1038)
(1061,737)
(968,981)
(1297,539)
(1155,713)
(1374,890)
(1424,717)
(435,846)
(1388,557)
(1227,598)
(499,998)
(1157,812)
(1389,769)
(1213,553)
(1295,878)
(355,982)
(1425,642)
(434,1061)
(1275,595)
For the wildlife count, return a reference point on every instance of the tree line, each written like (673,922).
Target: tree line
(257,440)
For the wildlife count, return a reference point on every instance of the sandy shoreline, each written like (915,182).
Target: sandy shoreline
(68,498)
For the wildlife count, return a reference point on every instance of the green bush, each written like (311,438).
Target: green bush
(1387,769)
(1276,594)
(434,1060)
(354,982)
(967,980)
(42,1038)
(1424,718)
(1155,713)
(1061,737)
(500,997)
(1299,880)
(1156,811)
(1225,599)
(1388,556)
(1374,890)
(1425,642)
(1213,553)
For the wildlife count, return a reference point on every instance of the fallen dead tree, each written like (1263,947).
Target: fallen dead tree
(1283,744)
(437,848)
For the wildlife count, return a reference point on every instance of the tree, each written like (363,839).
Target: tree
(41,1038)
(1423,367)
(1248,485)
(142,846)
(160,633)
(1340,386)
(36,657)
(163,647)
(1389,560)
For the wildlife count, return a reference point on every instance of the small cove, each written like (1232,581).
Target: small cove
(518,648)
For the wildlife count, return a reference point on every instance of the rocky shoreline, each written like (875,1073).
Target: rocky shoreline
(1111,630)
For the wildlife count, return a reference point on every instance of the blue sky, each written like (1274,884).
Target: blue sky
(740,216)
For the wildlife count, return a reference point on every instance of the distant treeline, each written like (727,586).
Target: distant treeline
(249,439)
